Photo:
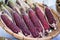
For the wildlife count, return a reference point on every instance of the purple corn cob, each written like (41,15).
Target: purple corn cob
(10,24)
(49,16)
(21,24)
(35,20)
(30,25)
(42,18)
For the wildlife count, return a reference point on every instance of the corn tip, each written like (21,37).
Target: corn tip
(54,25)
(21,34)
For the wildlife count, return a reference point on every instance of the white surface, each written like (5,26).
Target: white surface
(3,33)
(50,2)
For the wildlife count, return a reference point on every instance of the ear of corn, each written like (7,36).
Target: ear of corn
(20,23)
(10,24)
(49,16)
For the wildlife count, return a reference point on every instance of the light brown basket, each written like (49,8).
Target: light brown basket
(49,37)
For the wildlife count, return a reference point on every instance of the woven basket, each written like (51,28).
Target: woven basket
(49,37)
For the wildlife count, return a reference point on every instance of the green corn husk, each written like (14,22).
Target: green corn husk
(12,1)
